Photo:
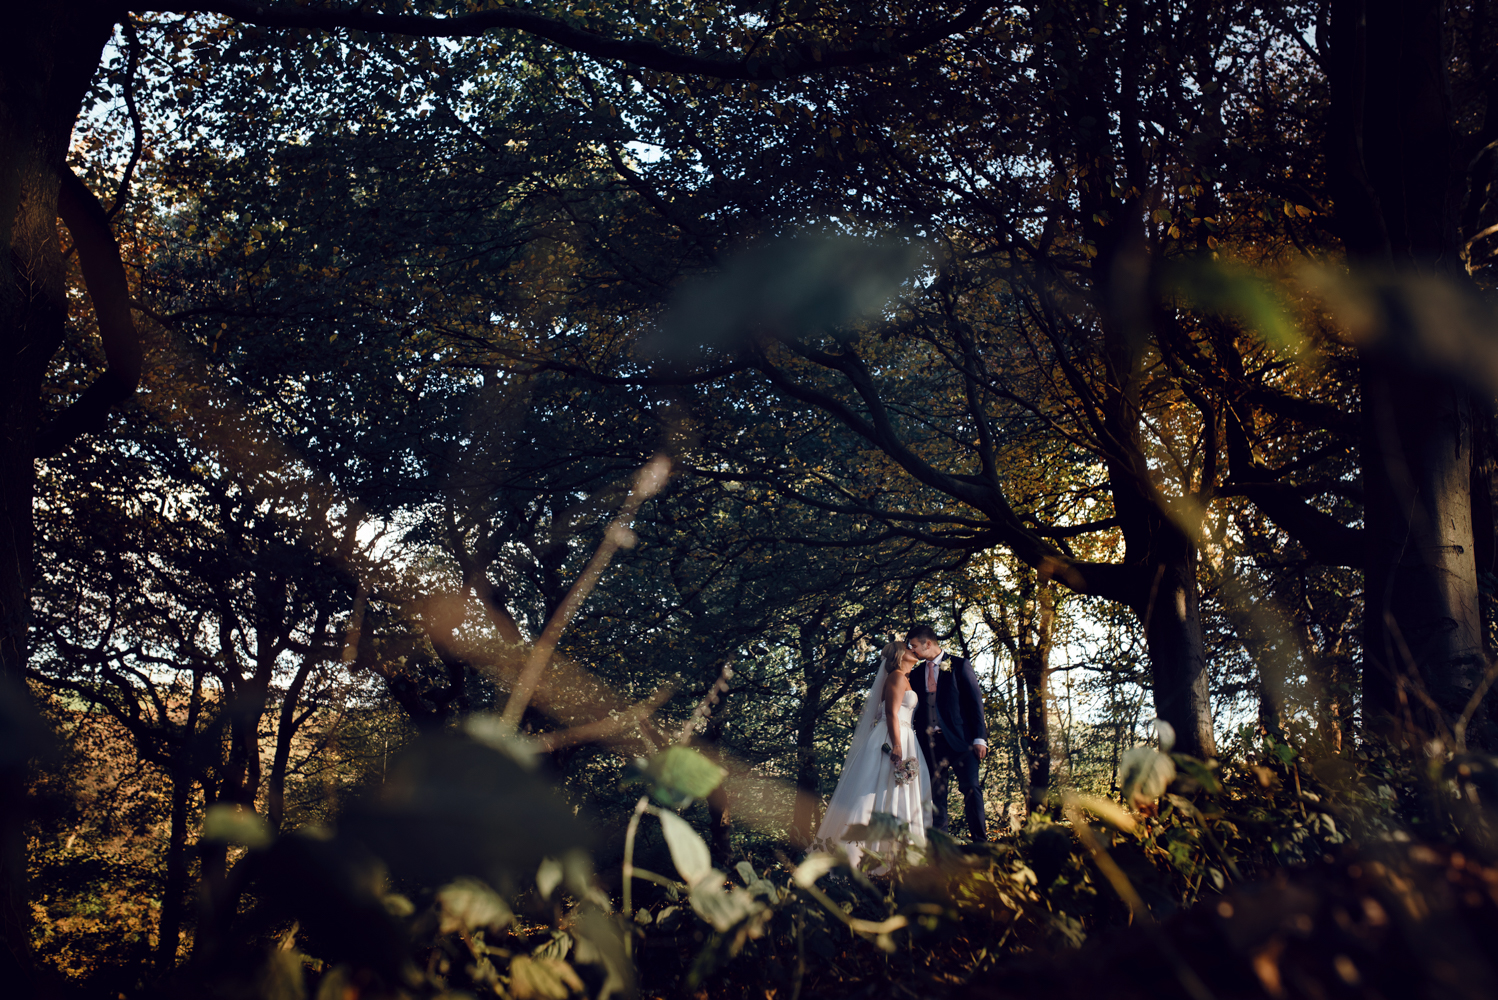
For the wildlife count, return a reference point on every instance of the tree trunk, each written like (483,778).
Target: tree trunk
(1171,615)
(1033,664)
(174,893)
(805,818)
(48,52)
(1391,149)
(1422,626)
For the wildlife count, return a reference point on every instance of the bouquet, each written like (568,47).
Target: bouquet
(905,770)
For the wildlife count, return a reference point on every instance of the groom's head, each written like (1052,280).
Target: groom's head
(923,642)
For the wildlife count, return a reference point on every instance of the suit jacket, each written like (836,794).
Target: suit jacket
(957,706)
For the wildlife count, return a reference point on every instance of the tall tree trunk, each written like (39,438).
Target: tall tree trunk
(48,51)
(805,818)
(1391,150)
(1160,551)
(1033,665)
(1422,628)
(174,893)
(1171,615)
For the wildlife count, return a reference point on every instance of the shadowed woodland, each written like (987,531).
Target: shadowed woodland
(461,461)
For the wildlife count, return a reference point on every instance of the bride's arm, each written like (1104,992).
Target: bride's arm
(894,694)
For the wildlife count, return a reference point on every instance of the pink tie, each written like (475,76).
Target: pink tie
(930,676)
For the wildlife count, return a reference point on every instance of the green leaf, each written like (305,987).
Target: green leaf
(469,904)
(723,908)
(1144,773)
(689,851)
(1197,772)
(881,827)
(1235,291)
(680,774)
(492,731)
(236,824)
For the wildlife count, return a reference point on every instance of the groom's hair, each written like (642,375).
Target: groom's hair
(922,631)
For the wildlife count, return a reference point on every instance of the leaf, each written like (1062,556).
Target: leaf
(790,287)
(689,851)
(1143,774)
(746,872)
(881,827)
(543,978)
(469,904)
(723,908)
(548,877)
(282,976)
(1166,734)
(334,984)
(1198,772)
(1108,811)
(601,942)
(492,731)
(813,868)
(1228,290)
(1185,805)
(454,807)
(236,824)
(680,774)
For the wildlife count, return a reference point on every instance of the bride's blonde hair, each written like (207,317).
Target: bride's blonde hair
(889,659)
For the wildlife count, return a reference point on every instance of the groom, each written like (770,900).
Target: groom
(949,725)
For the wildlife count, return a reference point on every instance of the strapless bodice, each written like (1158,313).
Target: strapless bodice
(907,707)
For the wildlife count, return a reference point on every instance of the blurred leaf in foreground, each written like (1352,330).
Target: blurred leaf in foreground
(454,807)
(236,824)
(678,774)
(789,287)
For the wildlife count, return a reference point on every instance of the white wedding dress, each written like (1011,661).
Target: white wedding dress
(868,786)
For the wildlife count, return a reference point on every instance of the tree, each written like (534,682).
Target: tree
(50,54)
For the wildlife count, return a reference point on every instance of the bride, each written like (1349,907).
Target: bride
(884,772)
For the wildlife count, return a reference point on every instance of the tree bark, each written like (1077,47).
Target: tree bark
(174,893)
(804,819)
(47,54)
(1033,665)
(1171,615)
(1391,149)
(1423,652)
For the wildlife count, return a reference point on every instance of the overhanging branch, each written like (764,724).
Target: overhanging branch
(104,277)
(776,64)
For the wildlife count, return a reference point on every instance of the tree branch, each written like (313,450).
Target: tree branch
(796,60)
(104,276)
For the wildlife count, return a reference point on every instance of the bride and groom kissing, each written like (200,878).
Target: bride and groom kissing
(922,724)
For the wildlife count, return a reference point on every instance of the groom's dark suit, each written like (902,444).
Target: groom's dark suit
(946,724)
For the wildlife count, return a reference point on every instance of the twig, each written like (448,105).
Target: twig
(1459,729)
(648,481)
(705,706)
(605,727)
(132,38)
(629,853)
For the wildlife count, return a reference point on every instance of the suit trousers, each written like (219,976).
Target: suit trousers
(965,766)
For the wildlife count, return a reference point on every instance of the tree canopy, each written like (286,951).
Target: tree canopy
(446,441)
